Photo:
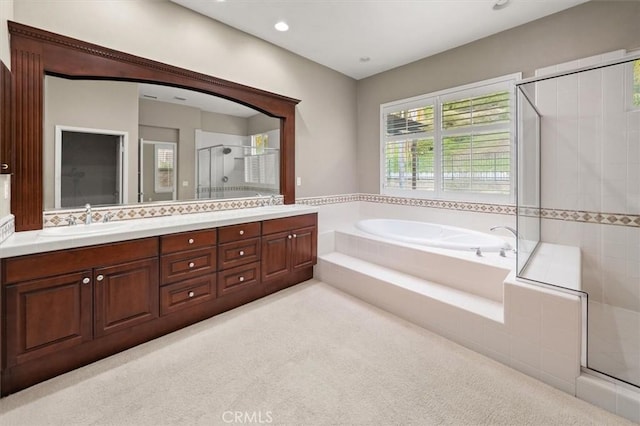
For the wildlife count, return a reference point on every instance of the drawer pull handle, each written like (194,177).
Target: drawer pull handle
(289,236)
(241,279)
(241,232)
(5,166)
(191,264)
(86,280)
(191,241)
(241,253)
(100,277)
(191,294)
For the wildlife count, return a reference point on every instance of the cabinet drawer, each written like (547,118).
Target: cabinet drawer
(187,240)
(287,223)
(238,253)
(239,232)
(187,264)
(181,295)
(238,278)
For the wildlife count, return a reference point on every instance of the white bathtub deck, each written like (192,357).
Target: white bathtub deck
(388,281)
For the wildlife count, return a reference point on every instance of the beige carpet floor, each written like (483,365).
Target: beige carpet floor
(308,355)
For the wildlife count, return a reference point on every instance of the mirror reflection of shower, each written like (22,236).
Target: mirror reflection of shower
(242,167)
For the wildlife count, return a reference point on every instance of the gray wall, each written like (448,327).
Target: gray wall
(585,30)
(105,105)
(6,14)
(166,32)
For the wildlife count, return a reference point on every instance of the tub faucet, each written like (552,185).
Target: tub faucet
(87,218)
(510,229)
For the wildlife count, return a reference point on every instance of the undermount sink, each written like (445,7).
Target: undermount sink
(95,228)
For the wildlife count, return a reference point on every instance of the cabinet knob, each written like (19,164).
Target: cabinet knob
(86,280)
(191,241)
(100,277)
(191,264)
(289,236)
(241,279)
(191,294)
(241,253)
(241,232)
(295,236)
(4,166)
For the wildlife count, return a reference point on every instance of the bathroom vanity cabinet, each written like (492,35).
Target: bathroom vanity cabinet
(64,309)
(60,300)
(289,248)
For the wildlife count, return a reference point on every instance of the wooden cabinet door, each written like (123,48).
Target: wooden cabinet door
(276,262)
(303,247)
(125,295)
(47,315)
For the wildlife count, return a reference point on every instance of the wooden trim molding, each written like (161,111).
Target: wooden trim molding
(5,120)
(36,52)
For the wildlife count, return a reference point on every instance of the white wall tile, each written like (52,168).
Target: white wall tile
(561,366)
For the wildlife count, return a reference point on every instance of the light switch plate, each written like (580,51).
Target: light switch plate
(299,181)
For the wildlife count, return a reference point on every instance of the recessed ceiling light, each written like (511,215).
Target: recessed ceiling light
(365,59)
(500,4)
(281,26)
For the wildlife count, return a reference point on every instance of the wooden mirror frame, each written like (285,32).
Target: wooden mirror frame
(35,52)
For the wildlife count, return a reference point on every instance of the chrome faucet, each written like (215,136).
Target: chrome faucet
(510,229)
(87,218)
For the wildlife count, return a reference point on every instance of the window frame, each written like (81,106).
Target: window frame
(437,99)
(629,83)
(157,187)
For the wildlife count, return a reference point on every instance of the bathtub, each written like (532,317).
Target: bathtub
(432,235)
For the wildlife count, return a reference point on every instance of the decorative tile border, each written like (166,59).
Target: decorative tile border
(441,204)
(413,202)
(7,227)
(329,199)
(58,217)
(142,211)
(619,219)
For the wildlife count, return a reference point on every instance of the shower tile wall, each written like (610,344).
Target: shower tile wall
(591,162)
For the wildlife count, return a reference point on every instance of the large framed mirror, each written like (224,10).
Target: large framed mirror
(56,78)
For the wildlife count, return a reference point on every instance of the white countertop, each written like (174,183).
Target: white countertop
(29,242)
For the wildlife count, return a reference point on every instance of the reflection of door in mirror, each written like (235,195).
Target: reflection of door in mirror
(88,166)
(157,171)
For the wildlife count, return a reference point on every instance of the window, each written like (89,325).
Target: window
(164,178)
(455,144)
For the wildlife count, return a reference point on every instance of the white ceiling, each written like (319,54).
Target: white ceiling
(203,101)
(337,33)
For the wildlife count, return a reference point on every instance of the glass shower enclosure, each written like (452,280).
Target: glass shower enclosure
(236,171)
(579,186)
